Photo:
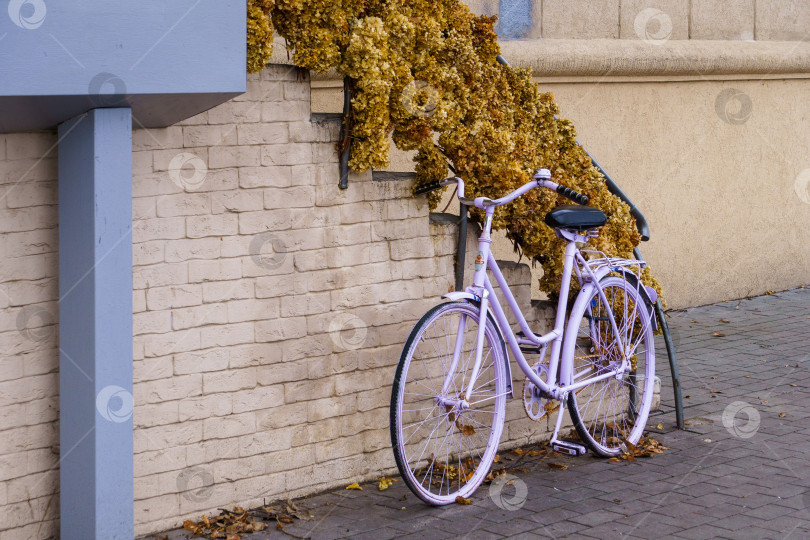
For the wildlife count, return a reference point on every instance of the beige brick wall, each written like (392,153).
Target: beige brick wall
(270,309)
(29,433)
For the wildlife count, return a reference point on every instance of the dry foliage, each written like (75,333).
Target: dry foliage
(425,71)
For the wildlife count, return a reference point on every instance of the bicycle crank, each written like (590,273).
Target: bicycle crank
(536,402)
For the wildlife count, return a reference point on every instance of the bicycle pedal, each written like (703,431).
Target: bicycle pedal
(568,447)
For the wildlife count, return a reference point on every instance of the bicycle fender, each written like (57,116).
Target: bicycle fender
(461,295)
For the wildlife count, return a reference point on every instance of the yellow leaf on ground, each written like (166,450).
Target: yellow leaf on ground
(354,485)
(462,500)
(558,466)
(385,482)
(719,334)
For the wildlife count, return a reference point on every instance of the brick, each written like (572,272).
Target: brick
(283,416)
(284,285)
(31,194)
(264,442)
(216,270)
(155,415)
(263,221)
(218,225)
(32,242)
(413,248)
(219,135)
(29,219)
(262,91)
(177,341)
(235,112)
(158,229)
(309,304)
(327,408)
(198,316)
(177,387)
(265,133)
(161,298)
(243,200)
(285,111)
(286,154)
(200,361)
(230,380)
(152,322)
(183,204)
(159,275)
(151,139)
(314,132)
(203,407)
(253,310)
(254,354)
(229,426)
(30,145)
(227,334)
(152,368)
(275,176)
(264,397)
(199,248)
(162,437)
(281,329)
(228,290)
(221,157)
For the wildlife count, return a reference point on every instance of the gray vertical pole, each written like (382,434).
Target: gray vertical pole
(95,325)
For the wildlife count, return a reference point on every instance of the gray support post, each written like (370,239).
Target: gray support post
(95,325)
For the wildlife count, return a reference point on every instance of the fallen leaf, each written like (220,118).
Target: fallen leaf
(614,459)
(719,334)
(717,391)
(558,466)
(660,426)
(385,482)
(725,320)
(462,500)
(782,415)
(354,485)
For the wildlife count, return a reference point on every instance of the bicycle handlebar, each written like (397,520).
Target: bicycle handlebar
(578,198)
(541,179)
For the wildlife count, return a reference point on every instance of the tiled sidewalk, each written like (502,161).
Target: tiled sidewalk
(741,469)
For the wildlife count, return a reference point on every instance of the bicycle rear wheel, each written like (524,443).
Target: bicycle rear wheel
(444,446)
(611,412)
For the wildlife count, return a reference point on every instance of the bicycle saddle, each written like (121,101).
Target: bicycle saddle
(575,218)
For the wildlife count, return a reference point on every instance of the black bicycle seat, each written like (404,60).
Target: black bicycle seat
(575,218)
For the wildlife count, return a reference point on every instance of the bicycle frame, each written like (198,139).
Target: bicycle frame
(562,339)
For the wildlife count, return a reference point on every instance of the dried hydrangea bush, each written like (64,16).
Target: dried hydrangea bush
(425,71)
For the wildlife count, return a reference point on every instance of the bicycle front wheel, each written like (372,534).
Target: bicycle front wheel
(444,444)
(613,411)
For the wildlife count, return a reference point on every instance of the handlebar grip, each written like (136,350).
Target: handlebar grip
(578,198)
(426,188)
